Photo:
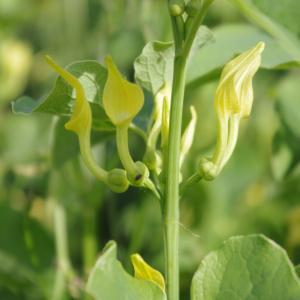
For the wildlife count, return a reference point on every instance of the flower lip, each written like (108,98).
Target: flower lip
(122,100)
(243,62)
(81,117)
(234,94)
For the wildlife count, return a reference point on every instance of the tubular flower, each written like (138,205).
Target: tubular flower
(81,118)
(143,271)
(233,101)
(122,100)
(81,123)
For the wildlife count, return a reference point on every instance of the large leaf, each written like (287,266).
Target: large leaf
(284,12)
(60,100)
(231,40)
(108,280)
(251,267)
(279,19)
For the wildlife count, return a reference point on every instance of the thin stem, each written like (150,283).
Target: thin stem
(171,205)
(122,144)
(64,271)
(286,39)
(89,239)
(194,28)
(87,156)
(140,132)
(172,161)
(193,179)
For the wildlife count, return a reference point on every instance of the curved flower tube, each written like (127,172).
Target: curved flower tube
(81,123)
(122,100)
(233,102)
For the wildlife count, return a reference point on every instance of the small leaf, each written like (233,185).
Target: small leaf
(246,267)
(203,37)
(108,280)
(143,271)
(154,66)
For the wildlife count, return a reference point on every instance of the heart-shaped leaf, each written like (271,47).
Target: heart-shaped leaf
(246,267)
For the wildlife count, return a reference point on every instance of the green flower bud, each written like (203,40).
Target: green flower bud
(140,174)
(207,169)
(152,160)
(117,180)
(176,7)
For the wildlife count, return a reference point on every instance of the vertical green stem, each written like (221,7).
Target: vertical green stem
(171,213)
(171,205)
(64,270)
(89,239)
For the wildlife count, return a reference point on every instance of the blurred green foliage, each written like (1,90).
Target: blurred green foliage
(258,192)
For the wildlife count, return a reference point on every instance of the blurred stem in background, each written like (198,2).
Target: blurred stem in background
(64,271)
(286,39)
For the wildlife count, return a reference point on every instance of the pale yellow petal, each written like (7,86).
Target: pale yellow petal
(81,118)
(122,100)
(143,271)
(234,94)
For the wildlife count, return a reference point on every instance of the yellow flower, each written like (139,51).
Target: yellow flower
(81,123)
(234,93)
(143,271)
(122,100)
(233,101)
(81,118)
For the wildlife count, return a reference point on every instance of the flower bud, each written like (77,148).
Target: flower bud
(207,169)
(117,180)
(122,100)
(176,7)
(143,271)
(152,160)
(139,175)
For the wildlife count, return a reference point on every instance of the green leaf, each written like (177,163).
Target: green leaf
(287,93)
(286,147)
(272,21)
(231,40)
(297,268)
(284,12)
(246,267)
(154,66)
(282,156)
(59,102)
(108,280)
